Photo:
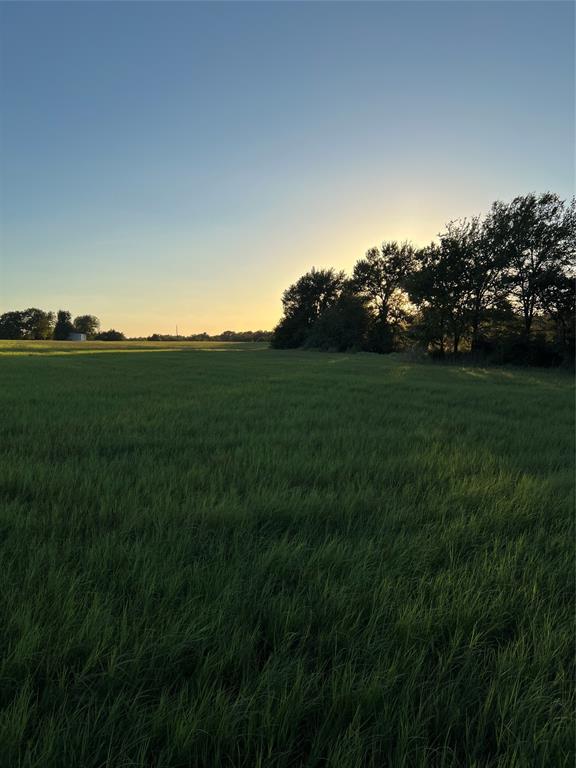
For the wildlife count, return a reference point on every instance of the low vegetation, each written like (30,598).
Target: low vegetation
(226,555)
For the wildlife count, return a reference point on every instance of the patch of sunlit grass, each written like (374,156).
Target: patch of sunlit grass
(94,347)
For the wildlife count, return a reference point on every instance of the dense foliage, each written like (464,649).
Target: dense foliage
(64,326)
(499,287)
(27,324)
(111,335)
(36,324)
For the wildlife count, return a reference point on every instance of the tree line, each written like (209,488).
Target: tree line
(224,336)
(498,287)
(38,324)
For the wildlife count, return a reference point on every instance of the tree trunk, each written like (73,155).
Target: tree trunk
(475,331)
(441,347)
(528,317)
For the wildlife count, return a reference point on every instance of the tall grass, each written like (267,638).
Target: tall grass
(277,559)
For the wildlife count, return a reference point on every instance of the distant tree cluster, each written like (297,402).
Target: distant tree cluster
(29,323)
(110,335)
(499,287)
(37,324)
(224,336)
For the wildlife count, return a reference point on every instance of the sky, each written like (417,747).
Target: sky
(170,164)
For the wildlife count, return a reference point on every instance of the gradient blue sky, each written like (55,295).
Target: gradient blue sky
(170,163)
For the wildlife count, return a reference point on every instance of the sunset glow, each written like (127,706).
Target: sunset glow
(180,164)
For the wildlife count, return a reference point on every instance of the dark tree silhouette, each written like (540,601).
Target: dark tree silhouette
(29,323)
(535,236)
(379,277)
(468,247)
(303,303)
(63,327)
(482,288)
(440,289)
(558,299)
(343,326)
(39,324)
(501,287)
(425,292)
(12,325)
(88,324)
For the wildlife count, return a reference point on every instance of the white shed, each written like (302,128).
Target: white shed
(76,337)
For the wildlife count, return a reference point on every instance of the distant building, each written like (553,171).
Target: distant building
(76,337)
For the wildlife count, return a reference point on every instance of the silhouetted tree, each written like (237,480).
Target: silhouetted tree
(303,303)
(38,324)
(35,323)
(439,289)
(88,324)
(478,268)
(12,325)
(558,299)
(535,236)
(63,327)
(380,279)
(29,323)
(343,326)
(483,281)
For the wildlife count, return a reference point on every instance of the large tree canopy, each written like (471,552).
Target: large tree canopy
(380,278)
(29,323)
(304,302)
(88,324)
(63,327)
(486,283)
(535,237)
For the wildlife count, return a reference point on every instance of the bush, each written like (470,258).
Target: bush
(535,351)
(381,337)
(111,335)
(342,327)
(290,333)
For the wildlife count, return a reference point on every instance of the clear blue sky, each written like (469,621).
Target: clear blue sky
(170,163)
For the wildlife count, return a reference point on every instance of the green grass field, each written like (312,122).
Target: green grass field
(224,555)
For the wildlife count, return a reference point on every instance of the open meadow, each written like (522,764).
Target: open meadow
(225,555)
